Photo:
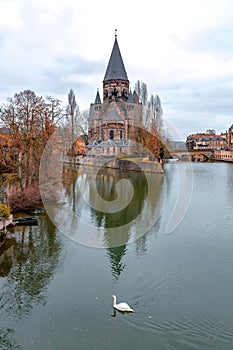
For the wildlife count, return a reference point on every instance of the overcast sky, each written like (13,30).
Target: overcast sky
(181,49)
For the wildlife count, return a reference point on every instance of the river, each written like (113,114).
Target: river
(57,278)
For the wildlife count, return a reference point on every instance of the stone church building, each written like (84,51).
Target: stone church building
(113,119)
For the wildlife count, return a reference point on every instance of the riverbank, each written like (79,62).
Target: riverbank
(126,164)
(30,196)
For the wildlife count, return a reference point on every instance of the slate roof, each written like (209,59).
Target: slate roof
(135,95)
(131,97)
(115,68)
(91,112)
(97,99)
(112,116)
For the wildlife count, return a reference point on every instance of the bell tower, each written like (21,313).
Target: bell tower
(115,83)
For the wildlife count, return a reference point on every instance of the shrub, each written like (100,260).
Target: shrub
(4,211)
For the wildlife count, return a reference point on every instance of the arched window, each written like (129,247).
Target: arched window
(121,134)
(111,135)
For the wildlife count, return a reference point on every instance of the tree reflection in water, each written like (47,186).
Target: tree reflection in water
(33,259)
(7,341)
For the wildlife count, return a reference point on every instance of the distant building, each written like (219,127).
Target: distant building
(211,142)
(206,141)
(192,140)
(229,138)
(226,154)
(113,119)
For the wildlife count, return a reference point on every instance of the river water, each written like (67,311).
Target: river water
(57,278)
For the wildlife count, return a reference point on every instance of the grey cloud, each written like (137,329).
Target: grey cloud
(42,54)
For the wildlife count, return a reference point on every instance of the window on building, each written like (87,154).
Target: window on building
(111,135)
(121,134)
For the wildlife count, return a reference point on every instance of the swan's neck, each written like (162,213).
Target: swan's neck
(114,300)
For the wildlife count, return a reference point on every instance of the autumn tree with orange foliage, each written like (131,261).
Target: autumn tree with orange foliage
(31,120)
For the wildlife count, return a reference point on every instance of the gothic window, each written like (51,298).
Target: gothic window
(121,134)
(124,93)
(114,92)
(111,135)
(97,108)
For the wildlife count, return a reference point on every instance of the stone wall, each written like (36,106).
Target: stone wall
(121,164)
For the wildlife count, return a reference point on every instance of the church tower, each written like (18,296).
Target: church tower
(116,83)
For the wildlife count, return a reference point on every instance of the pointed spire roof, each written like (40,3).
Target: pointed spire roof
(130,98)
(135,95)
(115,68)
(97,99)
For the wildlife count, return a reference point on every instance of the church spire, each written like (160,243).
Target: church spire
(97,99)
(115,69)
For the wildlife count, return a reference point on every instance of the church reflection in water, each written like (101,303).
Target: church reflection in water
(116,228)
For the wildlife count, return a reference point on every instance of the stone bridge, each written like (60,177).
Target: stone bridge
(193,154)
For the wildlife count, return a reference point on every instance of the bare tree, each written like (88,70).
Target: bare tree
(159,115)
(76,121)
(141,90)
(72,113)
(144,94)
(82,124)
(138,88)
(55,112)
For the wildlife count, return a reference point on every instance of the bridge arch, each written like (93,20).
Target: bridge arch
(194,155)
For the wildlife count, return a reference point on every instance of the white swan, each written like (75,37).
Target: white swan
(121,306)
